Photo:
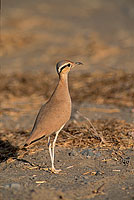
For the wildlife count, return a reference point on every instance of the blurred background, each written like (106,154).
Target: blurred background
(37,34)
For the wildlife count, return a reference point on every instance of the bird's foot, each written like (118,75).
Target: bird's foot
(55,171)
(44,169)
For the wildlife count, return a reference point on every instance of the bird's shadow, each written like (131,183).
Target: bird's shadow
(7,150)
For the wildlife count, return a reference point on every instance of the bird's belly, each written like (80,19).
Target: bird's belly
(50,119)
(53,119)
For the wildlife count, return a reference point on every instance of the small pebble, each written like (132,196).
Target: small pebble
(86,177)
(87,152)
(12,186)
(72,153)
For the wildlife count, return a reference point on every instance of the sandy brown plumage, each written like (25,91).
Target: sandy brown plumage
(56,112)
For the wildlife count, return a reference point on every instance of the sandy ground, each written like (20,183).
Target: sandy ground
(95,148)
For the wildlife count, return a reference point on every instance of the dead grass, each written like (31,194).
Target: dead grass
(117,134)
(111,88)
(103,88)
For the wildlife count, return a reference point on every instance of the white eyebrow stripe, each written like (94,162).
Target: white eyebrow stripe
(59,69)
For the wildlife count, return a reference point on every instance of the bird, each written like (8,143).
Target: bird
(54,114)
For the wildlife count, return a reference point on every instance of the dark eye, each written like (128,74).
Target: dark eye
(68,65)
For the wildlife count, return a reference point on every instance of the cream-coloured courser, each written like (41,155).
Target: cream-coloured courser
(56,112)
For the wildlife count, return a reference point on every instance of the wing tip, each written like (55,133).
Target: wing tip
(25,145)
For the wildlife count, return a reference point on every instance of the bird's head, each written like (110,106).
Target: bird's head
(64,66)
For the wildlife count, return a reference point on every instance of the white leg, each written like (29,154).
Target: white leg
(54,147)
(50,150)
(53,168)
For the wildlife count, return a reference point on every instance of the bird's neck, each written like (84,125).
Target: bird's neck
(63,84)
(63,79)
(61,92)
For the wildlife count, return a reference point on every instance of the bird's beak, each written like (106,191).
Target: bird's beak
(78,63)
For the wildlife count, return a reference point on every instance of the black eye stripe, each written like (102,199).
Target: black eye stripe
(68,65)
